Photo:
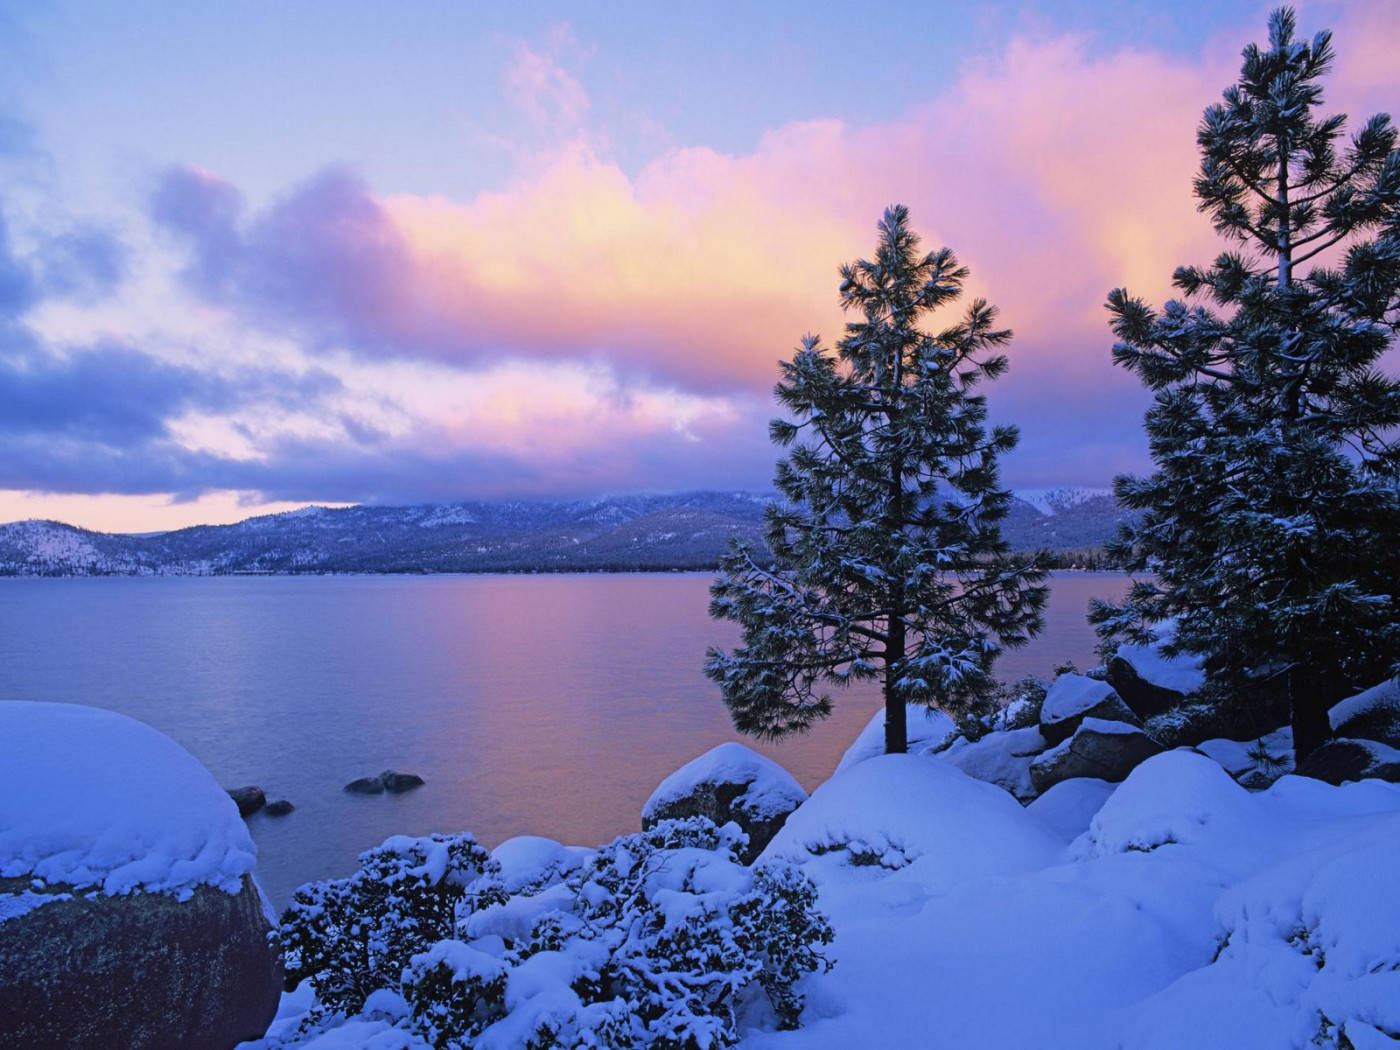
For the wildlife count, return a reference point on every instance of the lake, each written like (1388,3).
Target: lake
(534,704)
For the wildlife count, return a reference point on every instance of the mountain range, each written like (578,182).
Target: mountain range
(615,533)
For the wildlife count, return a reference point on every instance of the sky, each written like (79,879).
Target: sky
(261,255)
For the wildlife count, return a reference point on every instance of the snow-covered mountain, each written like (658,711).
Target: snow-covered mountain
(678,531)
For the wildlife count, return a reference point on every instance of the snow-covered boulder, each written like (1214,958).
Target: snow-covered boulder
(1256,763)
(900,812)
(1339,761)
(729,782)
(928,731)
(128,912)
(1107,750)
(1372,715)
(1069,805)
(1075,697)
(1149,681)
(1002,757)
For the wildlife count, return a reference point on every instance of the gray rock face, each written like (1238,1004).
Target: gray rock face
(143,971)
(248,799)
(729,783)
(397,782)
(1073,698)
(1101,749)
(1339,761)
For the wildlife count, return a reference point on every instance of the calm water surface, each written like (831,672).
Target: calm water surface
(548,705)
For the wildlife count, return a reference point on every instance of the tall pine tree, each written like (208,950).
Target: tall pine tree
(1272,523)
(888,560)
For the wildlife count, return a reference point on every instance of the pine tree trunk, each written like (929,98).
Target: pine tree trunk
(896,722)
(1312,726)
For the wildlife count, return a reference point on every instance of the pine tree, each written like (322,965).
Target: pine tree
(888,560)
(1272,523)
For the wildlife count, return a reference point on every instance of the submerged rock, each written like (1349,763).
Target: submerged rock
(278,808)
(366,786)
(390,780)
(397,782)
(248,799)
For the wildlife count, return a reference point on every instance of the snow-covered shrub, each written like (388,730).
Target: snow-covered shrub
(661,939)
(354,936)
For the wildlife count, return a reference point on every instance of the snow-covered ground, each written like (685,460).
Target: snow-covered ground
(1174,910)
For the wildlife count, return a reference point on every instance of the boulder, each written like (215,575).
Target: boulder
(1002,757)
(366,786)
(390,780)
(1150,682)
(145,971)
(396,782)
(1102,749)
(1372,715)
(278,808)
(128,913)
(1340,760)
(729,782)
(1073,698)
(248,799)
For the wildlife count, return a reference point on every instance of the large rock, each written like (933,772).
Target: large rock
(1372,715)
(128,913)
(1338,761)
(1072,698)
(1101,749)
(1002,758)
(729,782)
(248,799)
(1150,682)
(140,970)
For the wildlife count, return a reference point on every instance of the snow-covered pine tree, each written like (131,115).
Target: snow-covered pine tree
(1272,523)
(888,560)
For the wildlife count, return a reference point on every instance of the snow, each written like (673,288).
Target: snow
(532,860)
(1052,501)
(97,799)
(1001,758)
(907,812)
(928,730)
(1070,695)
(771,790)
(1387,694)
(1069,805)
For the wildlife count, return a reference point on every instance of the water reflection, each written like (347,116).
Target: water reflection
(543,704)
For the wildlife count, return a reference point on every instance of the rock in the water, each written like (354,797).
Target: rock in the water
(729,782)
(366,786)
(395,781)
(1073,698)
(128,913)
(1372,715)
(1102,749)
(248,799)
(278,808)
(1150,682)
(1338,761)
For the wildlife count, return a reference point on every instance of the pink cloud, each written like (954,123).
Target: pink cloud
(1054,173)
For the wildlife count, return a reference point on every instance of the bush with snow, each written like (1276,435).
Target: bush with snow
(661,939)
